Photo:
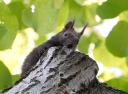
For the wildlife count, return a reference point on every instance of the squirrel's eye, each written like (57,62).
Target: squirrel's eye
(65,34)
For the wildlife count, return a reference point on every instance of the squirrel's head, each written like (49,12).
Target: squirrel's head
(69,37)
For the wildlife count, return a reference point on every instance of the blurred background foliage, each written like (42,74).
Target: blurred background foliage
(25,24)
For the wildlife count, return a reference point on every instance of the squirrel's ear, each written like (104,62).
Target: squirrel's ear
(81,33)
(69,24)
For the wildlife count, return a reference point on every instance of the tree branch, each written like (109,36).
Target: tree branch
(61,71)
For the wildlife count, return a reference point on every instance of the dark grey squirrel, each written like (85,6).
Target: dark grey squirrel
(68,37)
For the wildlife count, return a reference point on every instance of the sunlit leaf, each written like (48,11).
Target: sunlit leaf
(41,40)
(107,75)
(124,68)
(20,46)
(57,3)
(102,55)
(127,60)
(5,76)
(9,23)
(123,16)
(81,2)
(117,40)
(41,16)
(119,83)
(112,8)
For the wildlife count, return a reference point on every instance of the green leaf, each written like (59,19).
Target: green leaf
(91,14)
(123,16)
(15,78)
(43,18)
(4,31)
(82,14)
(83,44)
(28,17)
(117,40)
(102,55)
(9,23)
(112,8)
(63,13)
(57,3)
(78,12)
(81,2)
(119,83)
(62,16)
(127,61)
(17,8)
(5,76)
(41,40)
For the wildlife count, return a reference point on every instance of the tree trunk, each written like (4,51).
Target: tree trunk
(61,71)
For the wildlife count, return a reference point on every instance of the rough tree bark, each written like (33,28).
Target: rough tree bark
(61,71)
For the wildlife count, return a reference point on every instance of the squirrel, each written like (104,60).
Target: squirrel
(68,37)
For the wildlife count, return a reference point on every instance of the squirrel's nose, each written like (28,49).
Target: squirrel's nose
(69,45)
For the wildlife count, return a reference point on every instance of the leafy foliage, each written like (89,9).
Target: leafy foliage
(116,42)
(8,27)
(25,24)
(5,76)
(115,6)
(41,16)
(103,55)
(120,83)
